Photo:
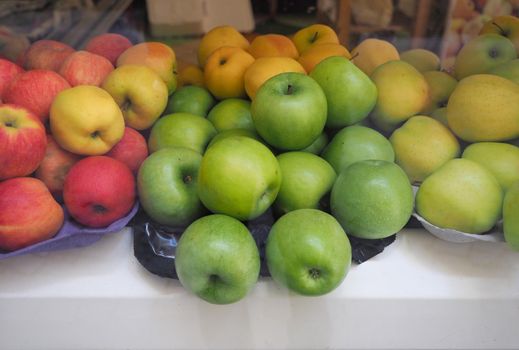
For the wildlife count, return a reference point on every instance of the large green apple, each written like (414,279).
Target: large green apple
(217,259)
(511,216)
(461,195)
(181,130)
(167,186)
(355,143)
(483,53)
(231,113)
(308,252)
(289,111)
(240,177)
(307,179)
(502,159)
(372,199)
(350,93)
(191,99)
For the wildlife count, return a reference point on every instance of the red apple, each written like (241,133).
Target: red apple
(55,166)
(46,54)
(99,190)
(132,150)
(8,71)
(85,68)
(29,213)
(22,142)
(35,90)
(109,45)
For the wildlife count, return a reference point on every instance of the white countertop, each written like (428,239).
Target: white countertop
(421,292)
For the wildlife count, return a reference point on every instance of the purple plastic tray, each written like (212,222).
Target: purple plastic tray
(73,235)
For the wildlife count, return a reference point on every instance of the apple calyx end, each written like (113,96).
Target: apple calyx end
(99,209)
(95,134)
(314,273)
(493,53)
(10,124)
(289,89)
(187,180)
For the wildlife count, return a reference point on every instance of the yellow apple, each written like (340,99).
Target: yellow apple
(157,56)
(86,120)
(272,45)
(312,35)
(315,54)
(224,71)
(191,74)
(371,53)
(507,26)
(266,67)
(218,37)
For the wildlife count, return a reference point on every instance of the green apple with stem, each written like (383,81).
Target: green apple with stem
(167,184)
(140,93)
(289,111)
(240,177)
(307,180)
(350,93)
(308,252)
(191,99)
(217,259)
(181,130)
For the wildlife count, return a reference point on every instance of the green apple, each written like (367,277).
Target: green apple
(508,70)
(422,145)
(350,93)
(461,195)
(318,145)
(441,85)
(483,53)
(231,113)
(217,259)
(502,159)
(240,177)
(191,99)
(423,60)
(307,179)
(233,132)
(372,199)
(505,25)
(355,143)
(402,93)
(140,93)
(308,252)
(289,111)
(181,130)
(167,186)
(511,216)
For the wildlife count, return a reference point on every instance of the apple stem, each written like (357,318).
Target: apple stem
(503,32)
(223,61)
(314,37)
(354,56)
(9,124)
(289,89)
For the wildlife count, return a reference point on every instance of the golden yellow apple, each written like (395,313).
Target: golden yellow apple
(312,35)
(371,53)
(272,45)
(224,72)
(218,37)
(191,74)
(315,54)
(266,67)
(86,120)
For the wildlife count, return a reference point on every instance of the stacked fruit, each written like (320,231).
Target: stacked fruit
(329,142)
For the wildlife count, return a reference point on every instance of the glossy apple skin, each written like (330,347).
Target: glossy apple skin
(132,150)
(239,177)
(217,259)
(46,54)
(308,252)
(55,166)
(8,71)
(22,142)
(168,186)
(29,213)
(99,190)
(108,45)
(85,68)
(36,90)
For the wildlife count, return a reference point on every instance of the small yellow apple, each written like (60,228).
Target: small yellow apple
(272,45)
(315,54)
(224,72)
(191,74)
(312,35)
(218,37)
(266,67)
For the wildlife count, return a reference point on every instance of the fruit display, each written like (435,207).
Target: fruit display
(319,146)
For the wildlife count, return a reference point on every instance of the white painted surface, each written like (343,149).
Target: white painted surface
(420,293)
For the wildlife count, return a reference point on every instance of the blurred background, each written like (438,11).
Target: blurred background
(441,26)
